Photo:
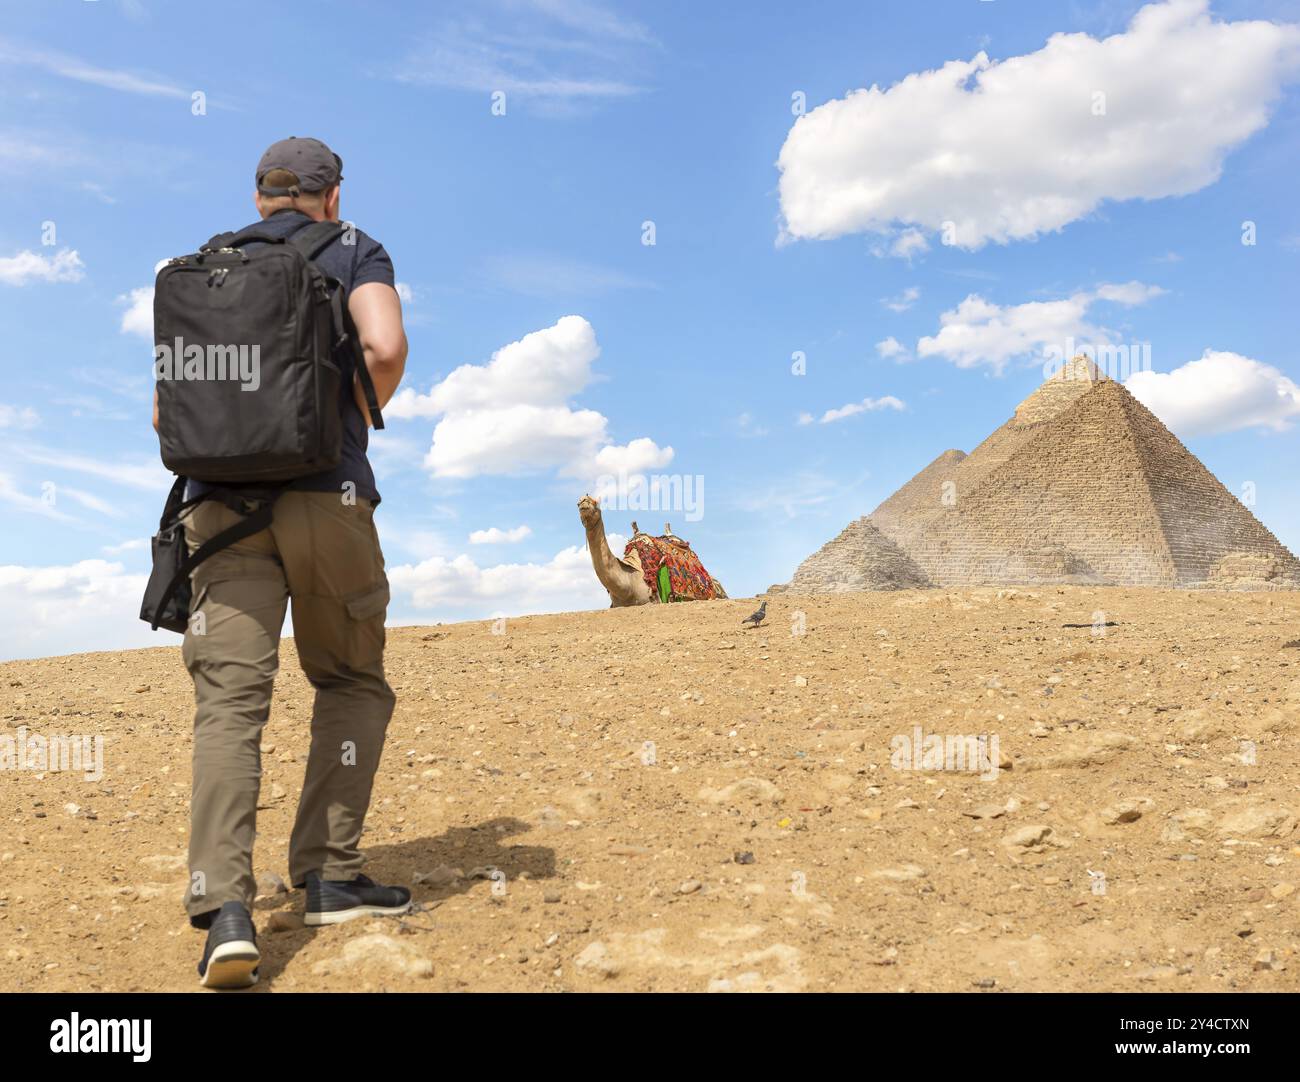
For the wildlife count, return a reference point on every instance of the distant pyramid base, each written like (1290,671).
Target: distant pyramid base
(1249,571)
(860,558)
(1082,485)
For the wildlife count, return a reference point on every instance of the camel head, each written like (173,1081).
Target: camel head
(589,512)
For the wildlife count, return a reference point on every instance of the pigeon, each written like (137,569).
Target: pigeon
(754,619)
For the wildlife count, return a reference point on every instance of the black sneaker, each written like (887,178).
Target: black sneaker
(230,956)
(332,901)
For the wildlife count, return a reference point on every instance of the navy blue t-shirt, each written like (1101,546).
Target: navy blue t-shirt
(353,265)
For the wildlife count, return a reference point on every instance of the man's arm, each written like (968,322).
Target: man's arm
(377,314)
(155,408)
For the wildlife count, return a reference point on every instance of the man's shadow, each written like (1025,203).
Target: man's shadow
(465,848)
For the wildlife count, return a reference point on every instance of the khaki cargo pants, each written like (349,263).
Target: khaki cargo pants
(325,556)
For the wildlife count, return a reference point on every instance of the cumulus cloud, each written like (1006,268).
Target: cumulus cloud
(496,536)
(867,405)
(562,584)
(978,332)
(891,349)
(513,415)
(903,301)
(138,317)
(1220,392)
(1007,150)
(27,266)
(90,605)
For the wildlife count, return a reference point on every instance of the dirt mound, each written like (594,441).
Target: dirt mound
(1066,788)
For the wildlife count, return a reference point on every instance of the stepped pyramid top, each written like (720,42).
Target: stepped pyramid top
(1074,378)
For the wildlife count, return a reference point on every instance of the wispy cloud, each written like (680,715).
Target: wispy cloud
(867,405)
(554,52)
(71,67)
(149,476)
(557,277)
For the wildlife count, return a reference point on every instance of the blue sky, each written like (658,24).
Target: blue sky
(774,234)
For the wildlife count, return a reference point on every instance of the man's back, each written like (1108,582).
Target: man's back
(355,259)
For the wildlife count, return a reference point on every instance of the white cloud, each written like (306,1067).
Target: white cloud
(552,51)
(891,348)
(16,498)
(979,332)
(18,417)
(496,536)
(1220,392)
(512,415)
(90,500)
(867,405)
(70,67)
(1007,150)
(148,475)
(138,317)
(64,266)
(404,292)
(90,605)
(903,301)
(135,544)
(564,583)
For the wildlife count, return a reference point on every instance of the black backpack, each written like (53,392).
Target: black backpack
(247,345)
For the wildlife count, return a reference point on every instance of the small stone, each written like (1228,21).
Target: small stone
(1124,811)
(551,897)
(901,873)
(985,811)
(801,681)
(441,876)
(1266,960)
(283,922)
(72,809)
(690,886)
(270,883)
(595,959)
(1283,890)
(745,857)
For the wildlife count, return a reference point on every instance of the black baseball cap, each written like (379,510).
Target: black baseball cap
(311,161)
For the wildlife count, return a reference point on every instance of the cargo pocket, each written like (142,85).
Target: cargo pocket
(373,602)
(365,633)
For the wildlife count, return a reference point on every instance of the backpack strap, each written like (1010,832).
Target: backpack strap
(314,237)
(257,509)
(343,337)
(311,240)
(236,240)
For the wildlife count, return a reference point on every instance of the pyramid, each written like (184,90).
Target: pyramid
(861,557)
(1082,485)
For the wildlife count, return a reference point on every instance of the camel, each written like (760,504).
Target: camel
(622,577)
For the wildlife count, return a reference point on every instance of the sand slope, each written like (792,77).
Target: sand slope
(526,753)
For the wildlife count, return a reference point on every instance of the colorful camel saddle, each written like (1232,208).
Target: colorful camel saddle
(672,571)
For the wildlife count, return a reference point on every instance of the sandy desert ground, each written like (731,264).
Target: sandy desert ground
(656,799)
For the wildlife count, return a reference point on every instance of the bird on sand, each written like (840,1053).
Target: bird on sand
(756,618)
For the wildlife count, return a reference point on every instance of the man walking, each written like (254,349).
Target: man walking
(321,553)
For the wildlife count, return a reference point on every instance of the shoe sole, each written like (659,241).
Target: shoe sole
(232,965)
(338,916)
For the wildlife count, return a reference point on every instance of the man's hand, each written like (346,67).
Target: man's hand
(376,312)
